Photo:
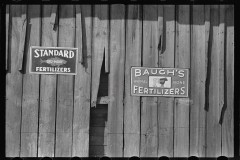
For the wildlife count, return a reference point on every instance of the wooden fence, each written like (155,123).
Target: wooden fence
(60,115)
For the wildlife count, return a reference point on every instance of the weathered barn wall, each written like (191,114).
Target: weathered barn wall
(55,115)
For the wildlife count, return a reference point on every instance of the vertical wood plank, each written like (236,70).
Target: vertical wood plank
(149,133)
(165,104)
(100,46)
(30,99)
(116,82)
(8,24)
(198,81)
(207,34)
(182,60)
(13,85)
(228,111)
(82,83)
(65,86)
(213,138)
(46,139)
(132,104)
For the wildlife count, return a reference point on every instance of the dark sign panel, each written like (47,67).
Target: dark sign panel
(169,82)
(53,60)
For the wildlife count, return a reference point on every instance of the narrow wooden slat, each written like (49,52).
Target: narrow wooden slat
(22,36)
(79,37)
(100,45)
(207,34)
(13,86)
(8,24)
(149,135)
(116,82)
(132,104)
(198,82)
(213,138)
(30,99)
(82,83)
(53,19)
(182,60)
(65,86)
(166,59)
(228,115)
(48,84)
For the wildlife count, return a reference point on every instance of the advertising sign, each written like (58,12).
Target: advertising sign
(168,82)
(53,60)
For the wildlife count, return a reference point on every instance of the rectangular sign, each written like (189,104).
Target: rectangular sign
(169,82)
(53,60)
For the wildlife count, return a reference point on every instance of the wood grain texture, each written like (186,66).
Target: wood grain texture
(166,59)
(228,110)
(65,89)
(213,138)
(99,47)
(149,133)
(82,86)
(13,85)
(182,60)
(132,104)
(197,82)
(116,82)
(8,24)
(30,99)
(207,35)
(46,139)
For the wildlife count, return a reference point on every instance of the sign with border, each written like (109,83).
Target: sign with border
(167,82)
(53,60)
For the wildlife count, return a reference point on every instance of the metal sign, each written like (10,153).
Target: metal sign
(53,60)
(169,82)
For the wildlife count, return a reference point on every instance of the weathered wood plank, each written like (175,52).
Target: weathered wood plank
(198,82)
(132,104)
(149,136)
(8,24)
(82,83)
(13,85)
(99,48)
(182,60)
(116,82)
(22,36)
(30,99)
(166,59)
(48,93)
(65,86)
(213,138)
(207,34)
(228,111)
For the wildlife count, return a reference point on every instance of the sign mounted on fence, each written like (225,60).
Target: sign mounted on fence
(168,82)
(53,60)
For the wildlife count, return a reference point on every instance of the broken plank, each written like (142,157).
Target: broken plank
(100,45)
(149,136)
(228,110)
(82,84)
(132,104)
(103,100)
(198,82)
(64,119)
(166,59)
(46,139)
(13,86)
(116,82)
(30,99)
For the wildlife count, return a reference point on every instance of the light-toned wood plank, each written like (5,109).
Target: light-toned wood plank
(116,82)
(182,60)
(48,93)
(132,104)
(198,81)
(166,16)
(213,138)
(8,24)
(22,36)
(207,35)
(228,113)
(149,135)
(82,83)
(13,85)
(30,99)
(65,86)
(54,18)
(99,47)
(78,39)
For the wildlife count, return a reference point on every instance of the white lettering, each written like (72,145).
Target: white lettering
(183,90)
(134,89)
(145,72)
(71,54)
(137,72)
(36,52)
(181,73)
